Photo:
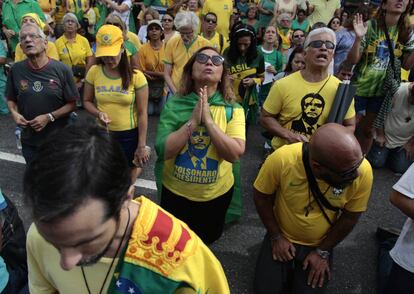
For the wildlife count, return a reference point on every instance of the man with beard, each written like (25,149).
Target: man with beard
(89,236)
(299,103)
(309,196)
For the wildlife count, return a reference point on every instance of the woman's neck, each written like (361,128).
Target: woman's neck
(156,44)
(268,46)
(113,72)
(70,35)
(211,89)
(392,19)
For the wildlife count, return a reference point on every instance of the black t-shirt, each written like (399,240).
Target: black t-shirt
(40,91)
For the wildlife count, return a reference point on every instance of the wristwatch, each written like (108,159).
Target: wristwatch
(51,117)
(324,254)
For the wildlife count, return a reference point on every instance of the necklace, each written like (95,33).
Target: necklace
(309,207)
(112,262)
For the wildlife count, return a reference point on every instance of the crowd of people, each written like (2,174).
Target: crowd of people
(329,81)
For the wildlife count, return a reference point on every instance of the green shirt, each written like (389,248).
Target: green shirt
(13,13)
(162,3)
(370,71)
(275,58)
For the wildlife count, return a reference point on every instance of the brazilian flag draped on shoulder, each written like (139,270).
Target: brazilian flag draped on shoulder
(177,112)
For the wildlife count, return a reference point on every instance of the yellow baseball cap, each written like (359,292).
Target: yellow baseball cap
(109,40)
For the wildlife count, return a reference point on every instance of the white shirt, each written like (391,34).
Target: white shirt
(403,251)
(125,15)
(397,130)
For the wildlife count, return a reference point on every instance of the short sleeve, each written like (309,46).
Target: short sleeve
(268,179)
(409,46)
(3,52)
(91,75)
(10,86)
(236,127)
(405,184)
(70,92)
(273,102)
(168,52)
(139,80)
(52,51)
(18,55)
(362,191)
(88,49)
(351,110)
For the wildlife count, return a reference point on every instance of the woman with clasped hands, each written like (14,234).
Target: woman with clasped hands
(200,134)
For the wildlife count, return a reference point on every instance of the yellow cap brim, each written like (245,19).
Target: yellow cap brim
(112,50)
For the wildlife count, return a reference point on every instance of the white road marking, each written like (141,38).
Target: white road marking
(147,184)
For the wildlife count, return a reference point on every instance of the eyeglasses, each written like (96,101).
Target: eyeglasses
(298,36)
(202,58)
(319,43)
(31,37)
(210,20)
(167,20)
(349,173)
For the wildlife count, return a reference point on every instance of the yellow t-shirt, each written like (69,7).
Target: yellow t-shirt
(73,5)
(150,59)
(198,173)
(183,259)
(177,55)
(323,10)
(51,52)
(283,173)
(215,42)
(290,99)
(47,5)
(76,51)
(120,105)
(223,9)
(133,38)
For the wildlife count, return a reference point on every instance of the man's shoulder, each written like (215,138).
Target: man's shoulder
(289,154)
(58,65)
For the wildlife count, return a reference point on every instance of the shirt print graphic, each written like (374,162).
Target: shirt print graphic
(194,165)
(37,86)
(312,106)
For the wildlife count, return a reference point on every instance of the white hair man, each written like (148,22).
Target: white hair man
(300,103)
(179,49)
(40,91)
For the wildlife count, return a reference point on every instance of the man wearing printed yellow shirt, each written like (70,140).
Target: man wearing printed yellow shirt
(179,49)
(223,10)
(309,197)
(300,103)
(88,235)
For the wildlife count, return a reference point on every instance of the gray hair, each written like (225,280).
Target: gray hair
(39,31)
(72,16)
(317,32)
(186,19)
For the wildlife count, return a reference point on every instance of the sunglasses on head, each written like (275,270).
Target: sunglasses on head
(202,58)
(319,43)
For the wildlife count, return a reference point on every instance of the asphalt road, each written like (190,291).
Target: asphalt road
(354,269)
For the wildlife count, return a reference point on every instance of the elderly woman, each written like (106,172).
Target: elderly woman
(246,67)
(121,96)
(168,26)
(51,50)
(150,63)
(179,49)
(73,49)
(200,133)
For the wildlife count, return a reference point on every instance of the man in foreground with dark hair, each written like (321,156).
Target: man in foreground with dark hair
(88,235)
(309,197)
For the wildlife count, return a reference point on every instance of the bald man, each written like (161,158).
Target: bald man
(309,197)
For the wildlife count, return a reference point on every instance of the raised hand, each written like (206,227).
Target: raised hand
(360,28)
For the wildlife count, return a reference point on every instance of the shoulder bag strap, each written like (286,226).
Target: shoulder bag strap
(313,185)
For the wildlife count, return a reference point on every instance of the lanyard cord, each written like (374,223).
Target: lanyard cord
(112,262)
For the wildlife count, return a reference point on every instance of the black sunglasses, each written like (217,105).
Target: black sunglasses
(210,20)
(350,172)
(319,43)
(202,58)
